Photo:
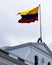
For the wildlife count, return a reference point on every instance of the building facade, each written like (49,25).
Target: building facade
(32,53)
(6,59)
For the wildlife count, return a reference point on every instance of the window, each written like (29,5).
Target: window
(49,63)
(36,60)
(42,60)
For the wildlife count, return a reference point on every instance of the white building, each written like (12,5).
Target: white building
(32,53)
(6,59)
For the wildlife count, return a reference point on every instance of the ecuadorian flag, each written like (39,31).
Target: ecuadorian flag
(29,16)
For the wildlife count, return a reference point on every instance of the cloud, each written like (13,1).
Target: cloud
(13,33)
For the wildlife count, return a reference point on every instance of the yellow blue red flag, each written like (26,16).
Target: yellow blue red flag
(29,16)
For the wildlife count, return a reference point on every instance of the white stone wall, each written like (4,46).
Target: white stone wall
(28,53)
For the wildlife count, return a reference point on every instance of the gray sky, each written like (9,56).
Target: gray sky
(13,33)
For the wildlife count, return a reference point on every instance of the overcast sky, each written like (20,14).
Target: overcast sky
(13,33)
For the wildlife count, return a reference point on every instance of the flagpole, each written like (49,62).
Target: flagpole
(40,22)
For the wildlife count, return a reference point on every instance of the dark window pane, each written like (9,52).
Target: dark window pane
(49,63)
(36,60)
